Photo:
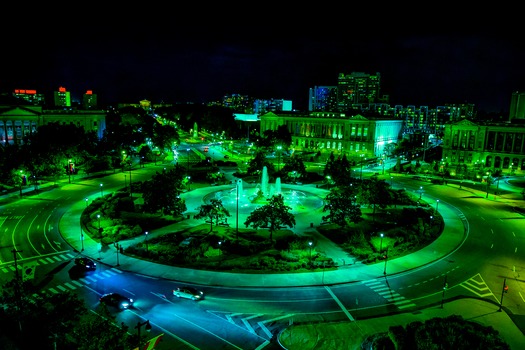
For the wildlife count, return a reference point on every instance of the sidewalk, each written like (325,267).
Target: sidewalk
(480,311)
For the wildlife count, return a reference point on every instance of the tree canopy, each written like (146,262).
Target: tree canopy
(274,216)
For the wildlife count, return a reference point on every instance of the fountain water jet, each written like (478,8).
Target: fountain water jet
(246,199)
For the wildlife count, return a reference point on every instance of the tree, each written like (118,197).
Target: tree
(374,192)
(274,216)
(256,164)
(162,192)
(294,168)
(338,169)
(214,210)
(341,203)
(29,317)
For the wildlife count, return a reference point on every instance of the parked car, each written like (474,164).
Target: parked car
(188,293)
(86,264)
(117,300)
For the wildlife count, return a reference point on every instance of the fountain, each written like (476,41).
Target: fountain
(246,199)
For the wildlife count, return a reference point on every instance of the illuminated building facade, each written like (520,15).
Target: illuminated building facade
(471,149)
(19,121)
(356,136)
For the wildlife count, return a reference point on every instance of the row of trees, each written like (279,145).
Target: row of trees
(56,321)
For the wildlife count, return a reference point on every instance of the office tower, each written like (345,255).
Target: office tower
(517,105)
(357,88)
(89,100)
(62,98)
(30,96)
(322,99)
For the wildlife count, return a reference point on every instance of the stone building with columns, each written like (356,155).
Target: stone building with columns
(357,136)
(17,121)
(472,149)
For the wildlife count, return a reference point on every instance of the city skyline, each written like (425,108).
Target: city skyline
(172,62)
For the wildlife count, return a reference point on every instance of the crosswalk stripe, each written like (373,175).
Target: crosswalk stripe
(63,289)
(42,261)
(53,290)
(57,258)
(50,260)
(77,283)
(70,286)
(85,281)
(91,279)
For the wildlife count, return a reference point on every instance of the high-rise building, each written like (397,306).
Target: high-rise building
(30,96)
(62,98)
(357,88)
(322,99)
(517,105)
(89,100)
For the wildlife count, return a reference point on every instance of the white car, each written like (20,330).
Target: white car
(188,293)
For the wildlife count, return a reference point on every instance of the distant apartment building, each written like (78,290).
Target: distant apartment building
(89,100)
(358,88)
(30,96)
(62,97)
(322,99)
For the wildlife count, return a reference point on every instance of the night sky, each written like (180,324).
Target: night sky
(176,60)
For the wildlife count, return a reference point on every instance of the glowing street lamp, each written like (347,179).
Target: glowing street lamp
(310,244)
(146,240)
(69,169)
(188,159)
(420,191)
(437,204)
(279,148)
(98,217)
(101,193)
(381,244)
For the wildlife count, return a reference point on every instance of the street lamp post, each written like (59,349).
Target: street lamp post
(146,240)
(21,181)
(386,259)
(101,193)
(130,187)
(488,185)
(420,191)
(98,217)
(381,244)
(69,169)
(445,286)
(237,217)
(310,244)
(188,159)
(138,326)
(391,180)
(437,204)
(87,202)
(117,247)
(189,184)
(279,148)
